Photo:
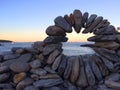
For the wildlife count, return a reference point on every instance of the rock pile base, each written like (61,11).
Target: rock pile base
(43,66)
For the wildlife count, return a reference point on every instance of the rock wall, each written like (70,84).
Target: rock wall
(43,66)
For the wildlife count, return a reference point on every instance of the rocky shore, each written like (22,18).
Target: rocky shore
(43,66)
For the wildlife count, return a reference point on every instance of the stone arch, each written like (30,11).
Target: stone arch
(91,24)
(85,70)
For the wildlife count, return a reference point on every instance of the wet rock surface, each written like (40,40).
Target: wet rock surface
(43,66)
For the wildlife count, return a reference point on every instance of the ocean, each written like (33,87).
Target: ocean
(69,48)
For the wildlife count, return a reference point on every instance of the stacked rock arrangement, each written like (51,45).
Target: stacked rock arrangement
(43,66)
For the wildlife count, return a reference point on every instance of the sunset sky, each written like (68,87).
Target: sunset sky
(27,20)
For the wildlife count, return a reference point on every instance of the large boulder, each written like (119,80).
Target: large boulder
(55,31)
(78,20)
(55,39)
(61,22)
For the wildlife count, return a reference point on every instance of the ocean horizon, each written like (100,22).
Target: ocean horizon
(69,48)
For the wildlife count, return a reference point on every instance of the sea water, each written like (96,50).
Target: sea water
(69,48)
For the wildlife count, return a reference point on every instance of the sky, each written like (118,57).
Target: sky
(27,20)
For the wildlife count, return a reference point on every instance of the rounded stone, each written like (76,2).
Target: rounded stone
(19,67)
(55,31)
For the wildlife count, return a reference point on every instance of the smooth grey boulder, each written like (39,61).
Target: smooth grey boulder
(44,83)
(108,30)
(61,22)
(107,63)
(55,39)
(95,69)
(109,54)
(38,71)
(4,77)
(89,74)
(20,67)
(68,68)
(21,85)
(82,79)
(103,38)
(67,18)
(51,47)
(101,65)
(4,69)
(53,56)
(49,69)
(84,19)
(49,76)
(93,25)
(62,66)
(78,20)
(75,69)
(35,64)
(90,20)
(71,16)
(23,58)
(31,87)
(6,86)
(55,31)
(38,45)
(113,77)
(10,56)
(31,50)
(57,62)
(112,45)
(112,84)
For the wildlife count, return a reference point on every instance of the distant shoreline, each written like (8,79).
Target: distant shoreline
(5,41)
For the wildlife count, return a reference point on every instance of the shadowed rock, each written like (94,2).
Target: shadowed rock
(75,69)
(82,79)
(84,19)
(55,31)
(78,20)
(90,20)
(57,62)
(55,39)
(93,25)
(47,83)
(100,38)
(72,19)
(67,18)
(88,70)
(61,22)
(109,54)
(106,30)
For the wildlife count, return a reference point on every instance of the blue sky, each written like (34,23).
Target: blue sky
(34,16)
